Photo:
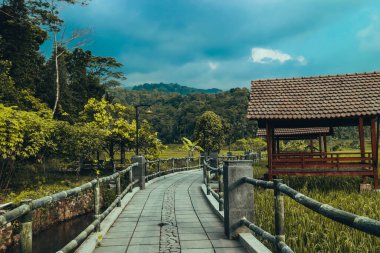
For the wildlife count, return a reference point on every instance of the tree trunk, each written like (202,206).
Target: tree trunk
(56,74)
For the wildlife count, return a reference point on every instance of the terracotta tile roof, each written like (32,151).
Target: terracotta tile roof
(261,132)
(316,97)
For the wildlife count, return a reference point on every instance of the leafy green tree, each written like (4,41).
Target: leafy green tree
(23,135)
(190,146)
(8,91)
(209,132)
(149,143)
(112,119)
(250,144)
(20,40)
(79,141)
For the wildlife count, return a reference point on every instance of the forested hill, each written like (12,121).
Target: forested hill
(173,87)
(174,115)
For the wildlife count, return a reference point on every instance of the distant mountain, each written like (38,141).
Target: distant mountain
(173,87)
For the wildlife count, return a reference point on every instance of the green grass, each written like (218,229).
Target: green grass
(307,231)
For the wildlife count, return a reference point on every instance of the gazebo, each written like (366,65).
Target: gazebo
(303,105)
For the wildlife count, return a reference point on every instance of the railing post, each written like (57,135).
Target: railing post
(26,235)
(97,203)
(238,198)
(118,189)
(173,164)
(146,171)
(139,170)
(279,214)
(208,175)
(158,167)
(214,160)
(220,182)
(187,163)
(130,179)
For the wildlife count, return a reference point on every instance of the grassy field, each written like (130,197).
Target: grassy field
(307,231)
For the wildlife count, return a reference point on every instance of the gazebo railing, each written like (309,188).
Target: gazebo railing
(335,160)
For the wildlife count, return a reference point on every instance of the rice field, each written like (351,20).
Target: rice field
(307,231)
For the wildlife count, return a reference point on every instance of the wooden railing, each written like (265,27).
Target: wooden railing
(236,176)
(134,175)
(330,160)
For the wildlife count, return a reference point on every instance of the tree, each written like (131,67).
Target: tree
(8,91)
(190,146)
(79,141)
(209,132)
(149,142)
(23,135)
(20,40)
(112,119)
(250,144)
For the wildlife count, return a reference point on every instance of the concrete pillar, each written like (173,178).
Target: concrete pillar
(214,159)
(238,198)
(118,189)
(97,203)
(26,234)
(139,170)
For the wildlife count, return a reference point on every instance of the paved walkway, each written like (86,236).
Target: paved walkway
(170,215)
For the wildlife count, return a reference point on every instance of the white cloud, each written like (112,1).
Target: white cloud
(213,65)
(301,60)
(369,36)
(267,55)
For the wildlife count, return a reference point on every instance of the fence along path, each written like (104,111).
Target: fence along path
(133,175)
(235,175)
(169,216)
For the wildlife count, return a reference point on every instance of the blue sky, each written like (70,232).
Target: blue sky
(225,44)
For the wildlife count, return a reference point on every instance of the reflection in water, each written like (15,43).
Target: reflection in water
(54,238)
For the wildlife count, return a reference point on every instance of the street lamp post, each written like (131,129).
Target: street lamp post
(138,124)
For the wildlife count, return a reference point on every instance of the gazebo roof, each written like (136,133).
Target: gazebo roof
(316,97)
(296,132)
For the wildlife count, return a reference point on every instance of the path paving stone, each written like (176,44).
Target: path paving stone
(170,216)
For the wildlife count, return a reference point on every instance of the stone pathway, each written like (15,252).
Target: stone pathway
(170,215)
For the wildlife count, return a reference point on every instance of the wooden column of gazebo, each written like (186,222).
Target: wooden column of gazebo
(318,102)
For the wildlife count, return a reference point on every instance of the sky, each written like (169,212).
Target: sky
(225,44)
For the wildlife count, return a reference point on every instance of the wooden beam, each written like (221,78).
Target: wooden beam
(361,137)
(269,149)
(325,143)
(374,146)
(278,145)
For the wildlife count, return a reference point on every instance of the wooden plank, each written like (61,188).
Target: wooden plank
(331,165)
(323,173)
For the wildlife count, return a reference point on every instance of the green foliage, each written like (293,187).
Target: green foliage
(79,141)
(149,143)
(22,135)
(250,144)
(175,115)
(20,41)
(190,146)
(8,91)
(293,145)
(209,131)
